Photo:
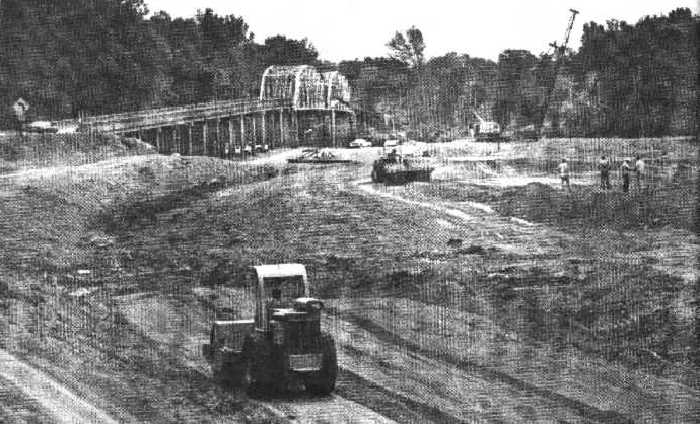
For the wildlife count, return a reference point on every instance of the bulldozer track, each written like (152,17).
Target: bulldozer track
(584,410)
(56,400)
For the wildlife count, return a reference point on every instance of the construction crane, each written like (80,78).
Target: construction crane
(559,51)
(487,130)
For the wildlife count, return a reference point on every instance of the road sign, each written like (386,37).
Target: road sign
(20,107)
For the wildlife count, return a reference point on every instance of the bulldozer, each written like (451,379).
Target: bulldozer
(283,344)
(393,169)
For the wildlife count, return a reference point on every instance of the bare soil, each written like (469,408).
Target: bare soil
(471,298)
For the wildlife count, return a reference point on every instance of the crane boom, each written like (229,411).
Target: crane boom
(574,12)
(559,52)
(481,120)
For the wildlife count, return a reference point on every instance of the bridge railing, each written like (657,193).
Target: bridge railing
(160,117)
(161,110)
(152,118)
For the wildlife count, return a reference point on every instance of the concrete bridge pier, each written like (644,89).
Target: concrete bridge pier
(231,140)
(275,127)
(159,134)
(281,124)
(295,128)
(175,147)
(242,125)
(333,128)
(254,138)
(263,136)
(189,138)
(205,129)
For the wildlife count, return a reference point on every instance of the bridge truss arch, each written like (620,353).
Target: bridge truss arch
(308,88)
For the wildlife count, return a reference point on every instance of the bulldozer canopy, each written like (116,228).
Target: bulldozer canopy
(280,270)
(289,279)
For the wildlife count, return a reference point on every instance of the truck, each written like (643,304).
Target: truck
(283,344)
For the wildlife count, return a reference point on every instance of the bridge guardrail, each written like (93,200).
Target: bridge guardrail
(198,108)
(152,118)
(163,116)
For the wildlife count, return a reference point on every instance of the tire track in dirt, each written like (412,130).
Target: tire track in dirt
(585,411)
(359,396)
(397,407)
(16,407)
(437,385)
(58,402)
(333,409)
(160,319)
(522,237)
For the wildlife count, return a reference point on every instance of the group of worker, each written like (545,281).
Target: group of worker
(604,165)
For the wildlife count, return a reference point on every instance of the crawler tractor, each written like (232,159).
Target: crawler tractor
(283,344)
(394,170)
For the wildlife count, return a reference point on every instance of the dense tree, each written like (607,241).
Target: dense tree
(102,56)
(409,48)
(639,79)
(280,50)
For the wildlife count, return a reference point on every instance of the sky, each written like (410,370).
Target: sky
(349,29)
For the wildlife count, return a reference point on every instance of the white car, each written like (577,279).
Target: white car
(391,143)
(359,142)
(41,127)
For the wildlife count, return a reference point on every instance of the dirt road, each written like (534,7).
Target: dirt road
(185,329)
(385,378)
(54,401)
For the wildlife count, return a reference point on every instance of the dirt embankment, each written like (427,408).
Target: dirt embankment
(62,263)
(45,150)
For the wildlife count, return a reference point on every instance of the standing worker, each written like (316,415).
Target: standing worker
(393,156)
(639,167)
(564,174)
(604,166)
(20,108)
(625,170)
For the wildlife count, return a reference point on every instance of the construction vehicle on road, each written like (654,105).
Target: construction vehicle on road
(393,168)
(283,344)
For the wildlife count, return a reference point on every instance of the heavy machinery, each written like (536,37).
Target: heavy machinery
(283,344)
(320,156)
(394,169)
(558,53)
(487,130)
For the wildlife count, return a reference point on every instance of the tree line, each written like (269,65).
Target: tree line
(104,56)
(624,80)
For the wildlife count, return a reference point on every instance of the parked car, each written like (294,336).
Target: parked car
(41,127)
(391,143)
(359,143)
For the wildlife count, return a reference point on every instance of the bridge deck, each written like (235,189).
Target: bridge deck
(163,117)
